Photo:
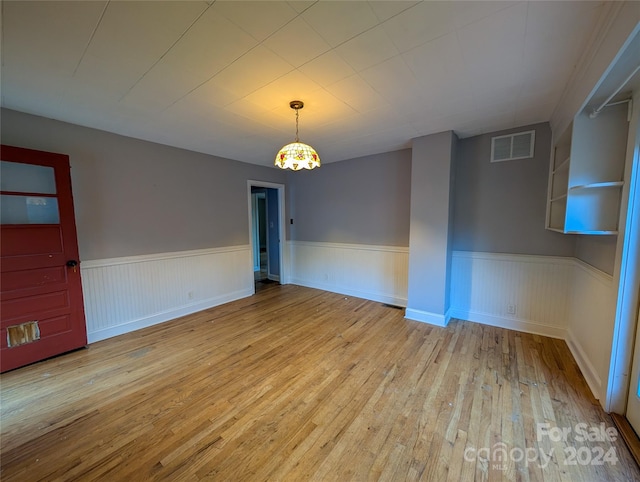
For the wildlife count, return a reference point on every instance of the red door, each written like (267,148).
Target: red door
(41,312)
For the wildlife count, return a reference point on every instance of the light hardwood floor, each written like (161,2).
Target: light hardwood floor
(298,384)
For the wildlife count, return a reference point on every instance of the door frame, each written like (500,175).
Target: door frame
(626,275)
(255,229)
(632,411)
(284,260)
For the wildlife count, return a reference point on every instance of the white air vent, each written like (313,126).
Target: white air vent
(513,146)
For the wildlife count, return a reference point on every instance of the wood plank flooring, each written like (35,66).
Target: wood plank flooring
(298,384)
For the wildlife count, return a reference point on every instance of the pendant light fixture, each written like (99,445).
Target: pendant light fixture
(297,155)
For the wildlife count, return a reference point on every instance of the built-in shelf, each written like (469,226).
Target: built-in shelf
(559,198)
(563,165)
(587,232)
(586,174)
(596,185)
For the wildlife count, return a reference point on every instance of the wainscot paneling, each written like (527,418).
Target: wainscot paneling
(558,297)
(377,273)
(126,294)
(590,327)
(520,292)
(551,296)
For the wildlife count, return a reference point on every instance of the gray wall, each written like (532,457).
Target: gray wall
(501,207)
(598,251)
(135,197)
(360,201)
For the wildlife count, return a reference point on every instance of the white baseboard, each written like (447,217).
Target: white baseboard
(377,273)
(367,295)
(520,292)
(586,367)
(165,316)
(126,294)
(427,317)
(525,326)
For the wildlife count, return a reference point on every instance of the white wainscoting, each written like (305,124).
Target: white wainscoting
(126,294)
(558,297)
(377,273)
(590,327)
(552,296)
(485,285)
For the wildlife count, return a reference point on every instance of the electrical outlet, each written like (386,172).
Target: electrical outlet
(511,309)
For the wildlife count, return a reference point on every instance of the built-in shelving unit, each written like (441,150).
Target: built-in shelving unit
(587,173)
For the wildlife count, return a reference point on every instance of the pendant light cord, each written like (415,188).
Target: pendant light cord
(297,139)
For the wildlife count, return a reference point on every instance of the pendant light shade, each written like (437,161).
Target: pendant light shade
(297,155)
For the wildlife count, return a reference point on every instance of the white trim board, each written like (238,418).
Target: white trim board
(99,263)
(427,317)
(390,300)
(510,323)
(589,372)
(357,247)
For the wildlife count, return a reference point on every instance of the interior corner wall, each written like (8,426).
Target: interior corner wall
(500,207)
(597,251)
(134,197)
(507,269)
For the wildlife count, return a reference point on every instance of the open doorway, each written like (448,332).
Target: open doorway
(259,215)
(266,233)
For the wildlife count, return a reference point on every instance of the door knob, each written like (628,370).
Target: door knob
(72,263)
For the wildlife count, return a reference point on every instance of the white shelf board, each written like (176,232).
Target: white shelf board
(590,232)
(560,197)
(598,185)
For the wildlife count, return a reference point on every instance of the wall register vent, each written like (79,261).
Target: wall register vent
(513,146)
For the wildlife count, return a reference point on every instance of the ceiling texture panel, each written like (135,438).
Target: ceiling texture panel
(297,53)
(421,23)
(327,69)
(338,21)
(259,18)
(207,48)
(35,69)
(368,49)
(217,76)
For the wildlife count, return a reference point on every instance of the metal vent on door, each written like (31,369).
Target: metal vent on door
(513,146)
